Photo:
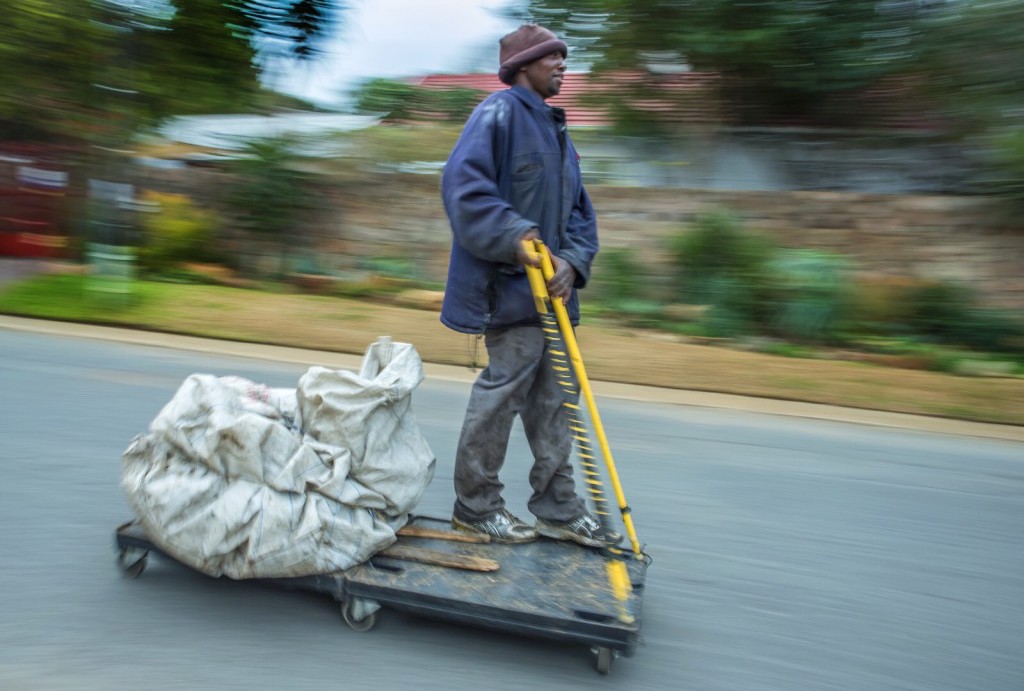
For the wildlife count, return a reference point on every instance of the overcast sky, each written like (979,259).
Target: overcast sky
(402,38)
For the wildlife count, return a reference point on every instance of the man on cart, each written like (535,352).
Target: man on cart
(514,175)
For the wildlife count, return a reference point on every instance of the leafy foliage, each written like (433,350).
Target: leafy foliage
(777,59)
(175,231)
(969,55)
(271,192)
(811,295)
(48,50)
(717,256)
(291,27)
(100,69)
(402,101)
(948,313)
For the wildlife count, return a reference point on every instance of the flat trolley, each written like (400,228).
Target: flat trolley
(548,589)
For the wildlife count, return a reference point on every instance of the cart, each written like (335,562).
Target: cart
(547,589)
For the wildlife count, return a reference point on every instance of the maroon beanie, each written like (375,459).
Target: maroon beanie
(524,45)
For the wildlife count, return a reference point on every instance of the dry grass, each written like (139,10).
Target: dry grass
(610,354)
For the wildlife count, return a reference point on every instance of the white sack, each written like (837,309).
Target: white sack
(237,479)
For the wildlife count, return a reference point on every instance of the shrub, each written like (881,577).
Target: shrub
(881,304)
(616,276)
(1006,178)
(937,307)
(270,196)
(721,264)
(718,249)
(175,232)
(948,313)
(811,295)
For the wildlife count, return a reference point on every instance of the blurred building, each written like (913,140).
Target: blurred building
(894,149)
(34,193)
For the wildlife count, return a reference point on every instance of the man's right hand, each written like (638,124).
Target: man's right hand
(523,256)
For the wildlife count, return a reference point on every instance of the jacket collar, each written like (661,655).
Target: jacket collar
(534,101)
(528,97)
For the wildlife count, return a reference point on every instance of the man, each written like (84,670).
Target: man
(514,175)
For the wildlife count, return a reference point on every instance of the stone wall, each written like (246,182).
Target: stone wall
(776,159)
(400,216)
(940,237)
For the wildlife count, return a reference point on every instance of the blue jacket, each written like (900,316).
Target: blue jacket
(514,168)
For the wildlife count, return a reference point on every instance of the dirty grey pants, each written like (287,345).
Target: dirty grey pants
(518,380)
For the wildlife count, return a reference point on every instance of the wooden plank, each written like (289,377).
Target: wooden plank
(419,531)
(432,556)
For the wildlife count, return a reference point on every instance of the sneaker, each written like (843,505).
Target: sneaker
(501,527)
(585,530)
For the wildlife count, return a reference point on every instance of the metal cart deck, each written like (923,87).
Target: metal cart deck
(547,588)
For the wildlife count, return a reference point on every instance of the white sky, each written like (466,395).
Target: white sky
(402,38)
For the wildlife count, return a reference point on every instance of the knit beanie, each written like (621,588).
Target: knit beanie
(524,45)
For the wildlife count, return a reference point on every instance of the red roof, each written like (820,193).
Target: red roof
(575,87)
(686,97)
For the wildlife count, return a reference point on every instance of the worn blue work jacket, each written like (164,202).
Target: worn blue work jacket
(514,168)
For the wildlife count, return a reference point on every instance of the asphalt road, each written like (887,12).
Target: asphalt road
(788,553)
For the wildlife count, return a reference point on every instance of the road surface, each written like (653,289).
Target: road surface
(788,553)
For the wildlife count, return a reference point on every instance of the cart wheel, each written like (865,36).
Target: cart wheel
(348,614)
(603,663)
(132,561)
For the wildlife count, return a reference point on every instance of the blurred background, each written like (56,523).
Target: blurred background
(810,178)
(798,200)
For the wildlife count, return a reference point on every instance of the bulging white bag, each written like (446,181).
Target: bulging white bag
(237,479)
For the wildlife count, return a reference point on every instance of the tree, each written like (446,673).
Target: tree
(47,52)
(270,195)
(92,74)
(970,57)
(776,59)
(69,66)
(403,101)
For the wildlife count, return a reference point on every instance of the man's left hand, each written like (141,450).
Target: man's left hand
(560,285)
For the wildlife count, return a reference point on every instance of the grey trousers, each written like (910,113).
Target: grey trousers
(518,380)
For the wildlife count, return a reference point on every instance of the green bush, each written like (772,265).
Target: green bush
(624,291)
(718,249)
(948,313)
(616,276)
(881,304)
(988,328)
(175,232)
(721,264)
(736,308)
(1006,177)
(270,196)
(811,294)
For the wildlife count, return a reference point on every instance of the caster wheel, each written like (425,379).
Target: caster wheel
(132,561)
(348,612)
(603,661)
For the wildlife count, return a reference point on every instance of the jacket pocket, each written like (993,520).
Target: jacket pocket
(527,167)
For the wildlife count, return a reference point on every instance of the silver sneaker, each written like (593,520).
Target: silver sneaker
(585,530)
(501,527)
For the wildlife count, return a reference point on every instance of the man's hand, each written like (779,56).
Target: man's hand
(560,285)
(524,257)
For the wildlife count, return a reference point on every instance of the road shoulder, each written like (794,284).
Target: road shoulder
(633,392)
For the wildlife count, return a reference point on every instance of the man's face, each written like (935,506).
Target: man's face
(544,75)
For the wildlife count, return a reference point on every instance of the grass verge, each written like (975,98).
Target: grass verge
(610,353)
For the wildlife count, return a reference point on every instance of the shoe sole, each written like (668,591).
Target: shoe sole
(462,527)
(563,534)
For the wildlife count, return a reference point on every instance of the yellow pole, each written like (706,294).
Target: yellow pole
(538,278)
